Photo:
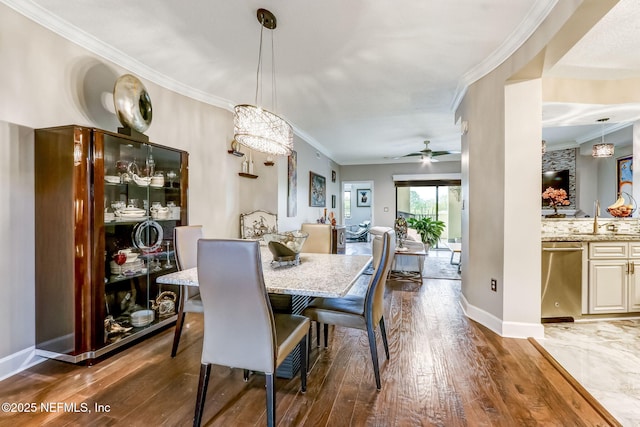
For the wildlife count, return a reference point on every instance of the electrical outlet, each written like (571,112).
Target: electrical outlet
(494,285)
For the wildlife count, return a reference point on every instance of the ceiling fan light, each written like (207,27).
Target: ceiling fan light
(602,150)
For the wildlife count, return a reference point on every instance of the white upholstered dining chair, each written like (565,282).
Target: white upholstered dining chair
(185,241)
(319,240)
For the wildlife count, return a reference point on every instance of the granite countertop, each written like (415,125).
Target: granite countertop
(325,275)
(590,237)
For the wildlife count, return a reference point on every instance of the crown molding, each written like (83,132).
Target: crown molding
(77,36)
(607,130)
(81,38)
(516,39)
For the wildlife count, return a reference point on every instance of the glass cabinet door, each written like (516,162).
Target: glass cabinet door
(140,208)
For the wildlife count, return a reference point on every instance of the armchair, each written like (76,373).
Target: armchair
(254,225)
(361,234)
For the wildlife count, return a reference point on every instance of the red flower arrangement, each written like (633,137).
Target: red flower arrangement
(556,197)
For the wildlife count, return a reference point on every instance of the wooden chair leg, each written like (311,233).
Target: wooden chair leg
(177,333)
(383,332)
(318,334)
(304,356)
(271,400)
(374,354)
(203,383)
(326,335)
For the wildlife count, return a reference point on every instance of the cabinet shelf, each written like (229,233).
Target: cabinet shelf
(118,221)
(113,278)
(133,335)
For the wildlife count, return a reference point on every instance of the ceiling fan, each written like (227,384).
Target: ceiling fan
(427,154)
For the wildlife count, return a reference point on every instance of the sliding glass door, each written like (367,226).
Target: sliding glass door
(439,200)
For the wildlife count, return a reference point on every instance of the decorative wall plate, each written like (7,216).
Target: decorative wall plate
(132,103)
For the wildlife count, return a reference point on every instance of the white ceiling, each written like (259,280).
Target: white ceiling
(361,81)
(606,52)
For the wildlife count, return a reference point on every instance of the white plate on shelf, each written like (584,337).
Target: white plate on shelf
(127,268)
(132,213)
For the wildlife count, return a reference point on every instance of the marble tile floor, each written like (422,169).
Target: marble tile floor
(604,357)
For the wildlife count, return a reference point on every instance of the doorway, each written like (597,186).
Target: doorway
(357,208)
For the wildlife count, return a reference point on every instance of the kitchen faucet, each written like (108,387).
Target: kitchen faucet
(595,217)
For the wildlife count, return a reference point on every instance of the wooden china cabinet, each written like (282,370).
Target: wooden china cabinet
(99,194)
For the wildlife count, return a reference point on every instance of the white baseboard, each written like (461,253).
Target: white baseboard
(17,362)
(500,327)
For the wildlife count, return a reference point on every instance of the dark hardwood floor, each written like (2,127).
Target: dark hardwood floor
(445,370)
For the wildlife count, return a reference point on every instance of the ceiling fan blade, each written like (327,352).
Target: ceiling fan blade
(442,153)
(413,154)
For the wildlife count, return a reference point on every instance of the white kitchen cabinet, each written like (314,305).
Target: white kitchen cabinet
(614,286)
(634,287)
(608,283)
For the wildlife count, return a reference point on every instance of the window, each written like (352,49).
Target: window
(438,200)
(347,204)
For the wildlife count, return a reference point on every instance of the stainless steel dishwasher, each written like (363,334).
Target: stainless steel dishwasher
(561,281)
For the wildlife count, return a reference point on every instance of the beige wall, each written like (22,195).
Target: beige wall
(501,186)
(501,171)
(384,190)
(309,160)
(403,200)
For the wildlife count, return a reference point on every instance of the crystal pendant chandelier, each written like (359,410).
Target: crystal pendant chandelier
(255,127)
(603,149)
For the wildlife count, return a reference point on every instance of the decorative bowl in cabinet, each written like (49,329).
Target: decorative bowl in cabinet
(142,318)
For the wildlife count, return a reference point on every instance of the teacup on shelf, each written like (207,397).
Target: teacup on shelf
(157,180)
(159,212)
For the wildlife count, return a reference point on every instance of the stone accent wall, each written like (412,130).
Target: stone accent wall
(560,160)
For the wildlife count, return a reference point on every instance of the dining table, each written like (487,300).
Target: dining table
(316,275)
(291,287)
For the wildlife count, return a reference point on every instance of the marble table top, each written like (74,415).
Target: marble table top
(317,275)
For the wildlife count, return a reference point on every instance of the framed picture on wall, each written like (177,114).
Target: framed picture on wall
(317,190)
(333,201)
(363,198)
(292,184)
(333,176)
(624,175)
